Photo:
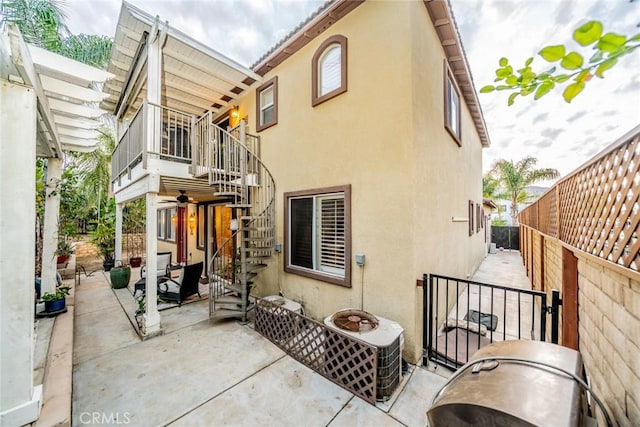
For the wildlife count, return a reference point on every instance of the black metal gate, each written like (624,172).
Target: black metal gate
(462,316)
(507,237)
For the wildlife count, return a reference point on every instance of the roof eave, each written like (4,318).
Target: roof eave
(444,23)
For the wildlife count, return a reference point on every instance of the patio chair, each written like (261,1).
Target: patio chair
(163,262)
(182,288)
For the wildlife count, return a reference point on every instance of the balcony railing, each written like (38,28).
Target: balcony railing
(174,142)
(597,208)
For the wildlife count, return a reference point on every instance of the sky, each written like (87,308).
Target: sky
(559,135)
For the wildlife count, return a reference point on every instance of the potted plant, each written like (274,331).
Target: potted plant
(56,301)
(64,250)
(120,276)
(104,237)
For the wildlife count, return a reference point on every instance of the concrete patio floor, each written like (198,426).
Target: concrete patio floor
(203,373)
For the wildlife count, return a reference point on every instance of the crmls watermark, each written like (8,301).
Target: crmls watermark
(110,418)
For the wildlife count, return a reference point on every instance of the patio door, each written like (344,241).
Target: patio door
(218,229)
(181,235)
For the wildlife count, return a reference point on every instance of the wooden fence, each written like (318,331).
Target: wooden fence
(596,209)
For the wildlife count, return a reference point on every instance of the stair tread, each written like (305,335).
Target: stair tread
(227,312)
(228,299)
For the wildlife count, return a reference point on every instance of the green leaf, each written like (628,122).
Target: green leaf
(605,66)
(572,91)
(561,78)
(544,88)
(487,89)
(635,38)
(597,57)
(572,61)
(512,98)
(528,90)
(552,53)
(588,33)
(512,80)
(584,76)
(503,87)
(503,62)
(528,78)
(528,61)
(505,72)
(611,42)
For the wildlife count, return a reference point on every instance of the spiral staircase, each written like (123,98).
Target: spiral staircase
(239,177)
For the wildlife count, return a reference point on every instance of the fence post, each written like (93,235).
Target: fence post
(426,323)
(556,302)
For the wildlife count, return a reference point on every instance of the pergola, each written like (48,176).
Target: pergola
(47,105)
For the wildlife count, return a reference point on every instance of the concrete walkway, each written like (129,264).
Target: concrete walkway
(202,373)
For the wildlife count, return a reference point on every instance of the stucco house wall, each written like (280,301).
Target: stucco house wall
(384,137)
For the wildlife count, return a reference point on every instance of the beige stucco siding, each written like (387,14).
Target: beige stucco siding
(385,138)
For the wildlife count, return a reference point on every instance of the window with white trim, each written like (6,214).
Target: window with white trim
(267,104)
(452,106)
(318,234)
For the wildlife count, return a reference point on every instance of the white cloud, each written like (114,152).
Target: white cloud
(606,109)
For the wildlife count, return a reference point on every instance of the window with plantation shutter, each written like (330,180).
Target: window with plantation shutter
(331,234)
(317,227)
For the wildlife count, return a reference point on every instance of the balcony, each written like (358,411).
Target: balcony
(174,144)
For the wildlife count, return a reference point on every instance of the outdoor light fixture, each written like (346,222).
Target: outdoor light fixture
(234,112)
(192,222)
(234,225)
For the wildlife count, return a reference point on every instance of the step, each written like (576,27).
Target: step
(236,287)
(228,183)
(250,275)
(225,313)
(225,193)
(257,258)
(258,239)
(238,205)
(228,303)
(255,266)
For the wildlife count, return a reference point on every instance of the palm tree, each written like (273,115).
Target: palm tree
(94,168)
(42,23)
(514,177)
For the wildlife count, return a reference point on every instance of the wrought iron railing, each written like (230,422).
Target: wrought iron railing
(597,208)
(238,175)
(462,316)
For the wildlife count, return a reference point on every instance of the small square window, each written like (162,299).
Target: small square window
(267,104)
(452,106)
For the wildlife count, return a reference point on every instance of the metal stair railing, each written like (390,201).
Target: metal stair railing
(237,173)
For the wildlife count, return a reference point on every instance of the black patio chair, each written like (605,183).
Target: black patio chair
(182,288)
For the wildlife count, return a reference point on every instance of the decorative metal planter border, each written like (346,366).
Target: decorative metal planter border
(341,358)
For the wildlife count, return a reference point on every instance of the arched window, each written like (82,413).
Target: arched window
(329,70)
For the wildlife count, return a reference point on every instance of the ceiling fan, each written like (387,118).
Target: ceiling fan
(182,198)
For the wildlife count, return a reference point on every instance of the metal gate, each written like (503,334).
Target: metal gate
(507,237)
(462,316)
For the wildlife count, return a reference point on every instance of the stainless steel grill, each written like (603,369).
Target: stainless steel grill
(519,389)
